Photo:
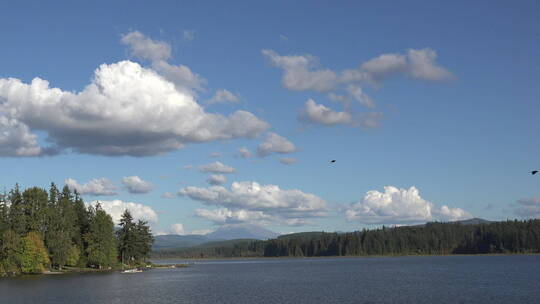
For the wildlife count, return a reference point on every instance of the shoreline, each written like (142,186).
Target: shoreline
(77,270)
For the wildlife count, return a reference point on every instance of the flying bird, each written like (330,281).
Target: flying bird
(533,172)
(333,161)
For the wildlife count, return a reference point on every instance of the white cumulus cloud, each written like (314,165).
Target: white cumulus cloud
(146,48)
(217,179)
(177,228)
(16,139)
(400,206)
(299,75)
(319,114)
(135,184)
(385,65)
(96,186)
(416,63)
(224,96)
(251,201)
(127,109)
(181,76)
(158,52)
(116,208)
(422,66)
(275,143)
(227,216)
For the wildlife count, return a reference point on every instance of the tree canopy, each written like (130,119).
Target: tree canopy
(42,230)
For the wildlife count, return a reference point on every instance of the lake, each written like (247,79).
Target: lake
(427,279)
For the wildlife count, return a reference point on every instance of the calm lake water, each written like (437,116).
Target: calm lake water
(444,279)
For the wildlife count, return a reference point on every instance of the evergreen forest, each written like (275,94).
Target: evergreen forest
(434,238)
(55,230)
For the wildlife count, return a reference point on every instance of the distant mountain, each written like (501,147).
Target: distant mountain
(171,241)
(224,233)
(471,221)
(474,221)
(225,248)
(223,244)
(241,231)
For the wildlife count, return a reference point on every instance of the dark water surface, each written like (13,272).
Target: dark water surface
(436,279)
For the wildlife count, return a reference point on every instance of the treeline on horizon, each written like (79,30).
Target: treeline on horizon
(42,230)
(431,239)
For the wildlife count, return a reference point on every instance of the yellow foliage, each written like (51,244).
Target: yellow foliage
(34,257)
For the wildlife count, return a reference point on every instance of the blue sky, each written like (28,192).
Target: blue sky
(436,95)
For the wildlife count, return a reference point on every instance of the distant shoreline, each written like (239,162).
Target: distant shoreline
(334,257)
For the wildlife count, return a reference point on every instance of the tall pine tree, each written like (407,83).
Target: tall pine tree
(101,250)
(58,234)
(127,238)
(17,216)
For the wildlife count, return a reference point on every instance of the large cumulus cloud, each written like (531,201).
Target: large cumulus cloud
(127,109)
(400,206)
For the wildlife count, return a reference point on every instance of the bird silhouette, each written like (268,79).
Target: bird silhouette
(533,172)
(333,161)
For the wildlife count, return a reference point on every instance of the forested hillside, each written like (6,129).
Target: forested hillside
(433,238)
(42,230)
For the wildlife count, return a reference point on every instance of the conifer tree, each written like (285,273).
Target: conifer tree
(59,231)
(4,214)
(10,251)
(144,240)
(35,201)
(101,250)
(127,238)
(17,216)
(82,221)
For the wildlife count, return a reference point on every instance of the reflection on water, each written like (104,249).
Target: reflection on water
(445,279)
